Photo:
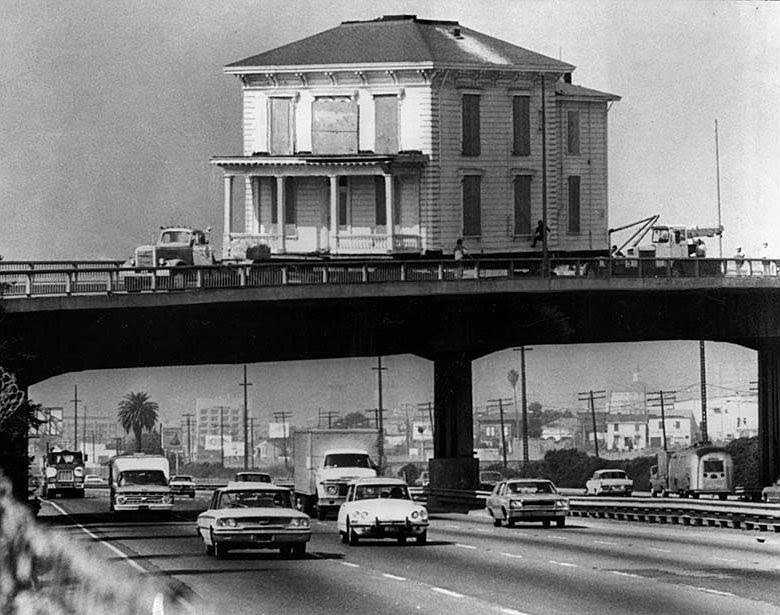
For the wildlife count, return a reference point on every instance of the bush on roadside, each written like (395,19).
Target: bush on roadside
(44,573)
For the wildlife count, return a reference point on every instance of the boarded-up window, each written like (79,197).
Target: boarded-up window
(343,205)
(281,126)
(381,208)
(472,224)
(470,116)
(574,204)
(521,125)
(573,132)
(522,205)
(334,125)
(290,198)
(386,124)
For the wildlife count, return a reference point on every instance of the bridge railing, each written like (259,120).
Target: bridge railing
(47,278)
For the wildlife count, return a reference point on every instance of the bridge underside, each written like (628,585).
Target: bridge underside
(221,327)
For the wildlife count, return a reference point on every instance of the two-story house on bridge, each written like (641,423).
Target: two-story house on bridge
(400,135)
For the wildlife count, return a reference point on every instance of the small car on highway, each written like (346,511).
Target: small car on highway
(246,515)
(381,508)
(527,499)
(93,480)
(771,493)
(609,482)
(182,484)
(488,479)
(253,477)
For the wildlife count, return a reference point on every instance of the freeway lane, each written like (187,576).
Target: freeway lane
(591,566)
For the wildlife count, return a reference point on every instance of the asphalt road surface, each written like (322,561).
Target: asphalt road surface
(467,567)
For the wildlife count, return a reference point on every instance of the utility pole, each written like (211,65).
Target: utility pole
(245,385)
(76,401)
(591,396)
(659,399)
(187,416)
(222,436)
(717,174)
(84,428)
(501,417)
(524,399)
(705,437)
(330,414)
(252,438)
(283,416)
(380,439)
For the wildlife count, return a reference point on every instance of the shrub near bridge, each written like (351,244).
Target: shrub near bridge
(570,468)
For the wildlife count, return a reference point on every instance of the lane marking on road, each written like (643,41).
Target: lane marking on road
(512,555)
(511,611)
(659,550)
(387,575)
(566,564)
(447,592)
(452,525)
(462,546)
(605,542)
(350,564)
(483,530)
(710,591)
(625,574)
(725,559)
(94,536)
(559,537)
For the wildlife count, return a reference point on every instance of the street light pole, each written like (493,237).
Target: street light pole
(246,386)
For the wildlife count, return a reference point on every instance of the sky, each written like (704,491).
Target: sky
(110,112)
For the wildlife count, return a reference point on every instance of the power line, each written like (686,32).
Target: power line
(500,403)
(658,399)
(283,416)
(245,386)
(380,415)
(591,396)
(187,416)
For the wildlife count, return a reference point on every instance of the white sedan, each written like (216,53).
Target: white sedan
(381,508)
(247,515)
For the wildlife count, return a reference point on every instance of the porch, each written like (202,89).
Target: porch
(337,205)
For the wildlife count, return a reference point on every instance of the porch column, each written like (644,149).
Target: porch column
(255,189)
(334,212)
(280,222)
(228,215)
(390,223)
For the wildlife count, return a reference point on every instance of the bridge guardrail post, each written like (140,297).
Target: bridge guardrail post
(153,285)
(403,272)
(325,274)
(364,272)
(28,282)
(242,276)
(440,272)
(199,278)
(284,275)
(69,282)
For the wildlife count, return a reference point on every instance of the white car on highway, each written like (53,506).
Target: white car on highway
(609,482)
(381,508)
(247,515)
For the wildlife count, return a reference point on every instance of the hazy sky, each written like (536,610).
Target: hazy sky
(110,112)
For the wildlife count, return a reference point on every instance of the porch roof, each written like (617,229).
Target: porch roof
(323,164)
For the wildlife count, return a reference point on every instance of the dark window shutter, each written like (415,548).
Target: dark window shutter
(522,205)
(381,208)
(521,125)
(289,200)
(470,114)
(574,204)
(472,224)
(573,132)
(274,210)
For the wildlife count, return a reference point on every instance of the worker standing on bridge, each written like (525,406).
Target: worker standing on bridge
(739,260)
(765,259)
(539,233)
(460,253)
(701,248)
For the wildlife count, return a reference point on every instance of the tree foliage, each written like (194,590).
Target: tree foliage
(137,413)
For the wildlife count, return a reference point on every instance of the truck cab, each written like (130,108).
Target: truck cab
(63,474)
(176,247)
(140,483)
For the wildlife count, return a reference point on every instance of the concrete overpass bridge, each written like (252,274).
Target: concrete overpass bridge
(85,316)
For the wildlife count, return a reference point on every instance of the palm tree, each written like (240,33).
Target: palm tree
(137,413)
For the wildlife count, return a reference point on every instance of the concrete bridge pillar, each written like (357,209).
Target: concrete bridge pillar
(769,410)
(453,465)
